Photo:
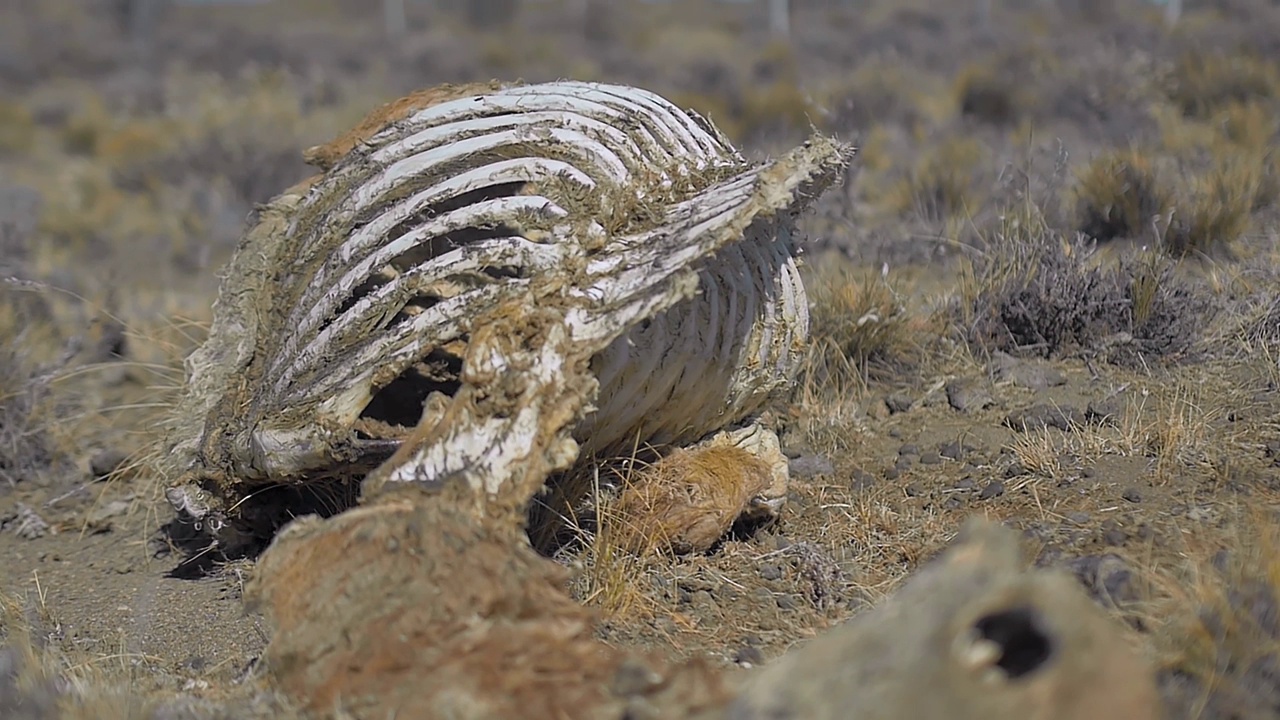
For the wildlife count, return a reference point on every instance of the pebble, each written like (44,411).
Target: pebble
(105,462)
(862,480)
(967,397)
(931,458)
(1132,495)
(994,489)
(898,403)
(748,656)
(1115,537)
(810,466)
(952,451)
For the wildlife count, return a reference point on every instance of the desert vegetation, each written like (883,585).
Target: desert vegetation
(1046,293)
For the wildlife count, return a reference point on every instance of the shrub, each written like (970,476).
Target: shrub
(941,185)
(1119,195)
(1036,292)
(1203,83)
(859,325)
(1218,209)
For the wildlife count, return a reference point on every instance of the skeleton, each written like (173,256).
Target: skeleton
(486,284)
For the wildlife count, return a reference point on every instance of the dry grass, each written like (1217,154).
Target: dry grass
(1202,83)
(861,327)
(1213,619)
(45,680)
(1121,195)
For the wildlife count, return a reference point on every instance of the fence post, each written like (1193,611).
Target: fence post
(780,18)
(393,18)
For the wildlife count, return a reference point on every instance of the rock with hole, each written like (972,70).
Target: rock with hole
(973,636)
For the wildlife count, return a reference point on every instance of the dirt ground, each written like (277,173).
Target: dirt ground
(968,358)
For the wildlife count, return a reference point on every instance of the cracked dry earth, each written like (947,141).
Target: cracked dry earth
(1116,475)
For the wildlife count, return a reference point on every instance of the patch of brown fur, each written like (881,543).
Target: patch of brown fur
(688,500)
(327,155)
(409,607)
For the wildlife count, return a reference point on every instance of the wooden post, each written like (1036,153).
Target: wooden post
(393,17)
(780,18)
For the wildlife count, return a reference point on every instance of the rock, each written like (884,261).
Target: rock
(1107,578)
(101,518)
(878,411)
(105,462)
(994,489)
(748,656)
(1115,537)
(1038,417)
(1109,410)
(908,449)
(862,480)
(914,489)
(1273,452)
(972,636)
(1033,375)
(809,466)
(931,458)
(25,523)
(951,451)
(968,396)
(1132,495)
(898,403)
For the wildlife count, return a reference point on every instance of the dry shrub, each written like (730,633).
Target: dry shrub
(1202,83)
(25,446)
(750,108)
(860,327)
(1218,210)
(983,93)
(1036,292)
(688,500)
(998,90)
(17,128)
(1120,195)
(1216,623)
(1250,125)
(877,92)
(942,183)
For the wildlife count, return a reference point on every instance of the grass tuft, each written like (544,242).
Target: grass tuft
(1120,195)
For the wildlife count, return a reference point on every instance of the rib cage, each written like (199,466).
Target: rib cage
(349,308)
